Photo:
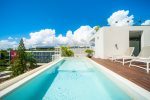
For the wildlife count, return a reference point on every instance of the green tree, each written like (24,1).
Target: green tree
(19,65)
(66,52)
(4,55)
(31,62)
(9,49)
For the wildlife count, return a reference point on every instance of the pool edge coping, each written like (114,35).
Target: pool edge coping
(138,89)
(143,92)
(13,83)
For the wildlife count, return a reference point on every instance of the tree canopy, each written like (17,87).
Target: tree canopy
(23,61)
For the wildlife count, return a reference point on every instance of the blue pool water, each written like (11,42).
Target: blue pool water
(70,79)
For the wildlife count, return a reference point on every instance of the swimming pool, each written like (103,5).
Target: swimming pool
(70,79)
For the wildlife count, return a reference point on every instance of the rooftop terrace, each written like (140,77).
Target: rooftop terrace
(134,74)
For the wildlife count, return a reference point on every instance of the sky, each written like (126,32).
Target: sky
(63,19)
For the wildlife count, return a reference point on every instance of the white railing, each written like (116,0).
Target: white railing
(79,52)
(55,56)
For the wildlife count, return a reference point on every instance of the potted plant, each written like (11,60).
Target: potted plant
(89,53)
(67,52)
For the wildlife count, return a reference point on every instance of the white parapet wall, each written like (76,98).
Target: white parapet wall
(15,82)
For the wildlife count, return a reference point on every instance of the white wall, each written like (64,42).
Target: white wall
(115,35)
(79,52)
(107,37)
(99,44)
(146,36)
(145,39)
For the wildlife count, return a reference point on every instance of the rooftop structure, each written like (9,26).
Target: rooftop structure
(109,41)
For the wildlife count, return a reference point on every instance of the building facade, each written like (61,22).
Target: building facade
(44,56)
(109,41)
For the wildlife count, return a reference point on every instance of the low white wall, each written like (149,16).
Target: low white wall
(79,52)
(19,78)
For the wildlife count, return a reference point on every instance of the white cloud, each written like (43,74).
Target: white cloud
(16,38)
(10,38)
(82,34)
(46,37)
(4,44)
(147,22)
(120,18)
(70,38)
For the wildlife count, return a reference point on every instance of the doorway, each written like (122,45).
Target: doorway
(135,41)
